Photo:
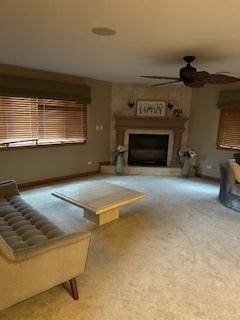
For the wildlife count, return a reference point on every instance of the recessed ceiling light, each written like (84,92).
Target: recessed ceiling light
(102,31)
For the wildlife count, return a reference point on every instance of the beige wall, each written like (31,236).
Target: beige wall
(200,105)
(204,126)
(27,165)
(121,93)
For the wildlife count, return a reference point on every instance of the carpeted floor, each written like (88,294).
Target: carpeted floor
(173,256)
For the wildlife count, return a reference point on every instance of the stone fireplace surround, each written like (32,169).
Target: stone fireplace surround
(174,127)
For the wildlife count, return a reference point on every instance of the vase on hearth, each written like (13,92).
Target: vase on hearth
(186,167)
(187,159)
(120,164)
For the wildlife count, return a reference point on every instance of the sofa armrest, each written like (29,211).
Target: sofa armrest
(8,189)
(30,252)
(37,269)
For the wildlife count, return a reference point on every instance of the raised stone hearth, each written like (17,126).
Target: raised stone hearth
(174,127)
(154,171)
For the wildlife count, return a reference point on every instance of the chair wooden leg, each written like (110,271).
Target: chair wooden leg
(74,289)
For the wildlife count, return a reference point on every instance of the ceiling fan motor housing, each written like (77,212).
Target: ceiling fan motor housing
(189,59)
(187,74)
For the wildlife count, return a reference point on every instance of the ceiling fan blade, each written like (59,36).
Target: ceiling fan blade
(165,83)
(220,79)
(159,77)
(199,78)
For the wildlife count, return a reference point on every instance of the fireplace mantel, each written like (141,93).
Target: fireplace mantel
(123,123)
(141,122)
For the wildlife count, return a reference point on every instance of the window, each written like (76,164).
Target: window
(33,121)
(229,129)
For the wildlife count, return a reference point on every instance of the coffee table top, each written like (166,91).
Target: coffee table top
(99,197)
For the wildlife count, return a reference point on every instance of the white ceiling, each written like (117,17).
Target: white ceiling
(152,36)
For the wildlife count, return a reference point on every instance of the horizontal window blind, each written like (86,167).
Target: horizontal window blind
(29,121)
(229,128)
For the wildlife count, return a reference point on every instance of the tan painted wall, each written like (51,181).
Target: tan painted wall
(27,165)
(36,164)
(121,93)
(204,126)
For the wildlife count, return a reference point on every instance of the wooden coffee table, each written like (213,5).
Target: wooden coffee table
(100,200)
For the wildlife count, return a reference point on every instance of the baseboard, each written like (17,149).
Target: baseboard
(103,163)
(56,179)
(84,174)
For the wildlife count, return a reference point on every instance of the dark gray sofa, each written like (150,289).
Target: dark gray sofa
(229,194)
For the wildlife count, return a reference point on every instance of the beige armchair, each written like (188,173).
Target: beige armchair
(34,254)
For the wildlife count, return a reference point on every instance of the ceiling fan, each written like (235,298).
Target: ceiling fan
(193,78)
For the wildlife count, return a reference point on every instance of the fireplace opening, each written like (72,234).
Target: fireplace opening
(148,149)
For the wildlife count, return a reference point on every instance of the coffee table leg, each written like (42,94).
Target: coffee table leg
(102,218)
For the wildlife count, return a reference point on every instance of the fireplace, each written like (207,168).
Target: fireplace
(171,126)
(148,149)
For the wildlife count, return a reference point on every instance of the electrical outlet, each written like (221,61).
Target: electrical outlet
(97,127)
(208,166)
(89,162)
(101,127)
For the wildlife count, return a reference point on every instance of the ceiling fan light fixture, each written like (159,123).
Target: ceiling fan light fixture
(103,31)
(223,72)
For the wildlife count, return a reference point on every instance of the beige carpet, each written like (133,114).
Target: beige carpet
(173,255)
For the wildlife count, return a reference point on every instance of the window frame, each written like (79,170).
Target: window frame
(220,129)
(12,146)
(35,146)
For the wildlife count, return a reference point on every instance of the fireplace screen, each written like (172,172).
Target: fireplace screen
(148,149)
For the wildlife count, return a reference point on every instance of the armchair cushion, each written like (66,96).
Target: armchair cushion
(235,167)
(237,157)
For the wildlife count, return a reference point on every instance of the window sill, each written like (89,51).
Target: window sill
(38,146)
(228,148)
